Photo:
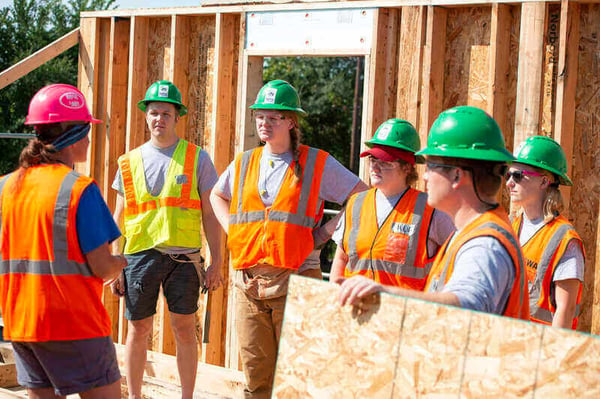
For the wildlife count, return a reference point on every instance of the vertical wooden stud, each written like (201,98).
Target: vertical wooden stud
(433,68)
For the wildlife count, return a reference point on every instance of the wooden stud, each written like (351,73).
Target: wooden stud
(384,50)
(529,81)
(249,83)
(39,58)
(433,68)
(180,68)
(566,87)
(549,68)
(221,152)
(137,79)
(87,76)
(410,64)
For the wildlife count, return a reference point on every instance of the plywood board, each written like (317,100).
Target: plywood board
(361,343)
(585,208)
(466,70)
(435,351)
(432,347)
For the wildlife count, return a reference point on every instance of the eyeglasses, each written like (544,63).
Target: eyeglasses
(433,165)
(383,165)
(273,120)
(517,175)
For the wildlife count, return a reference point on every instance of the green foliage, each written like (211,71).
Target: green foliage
(326,89)
(25,27)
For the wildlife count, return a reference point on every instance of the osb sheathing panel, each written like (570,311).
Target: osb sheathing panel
(324,347)
(466,63)
(431,357)
(585,208)
(200,80)
(406,348)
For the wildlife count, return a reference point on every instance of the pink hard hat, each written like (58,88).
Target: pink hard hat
(58,103)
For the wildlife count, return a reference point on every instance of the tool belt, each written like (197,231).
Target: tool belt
(263,281)
(198,261)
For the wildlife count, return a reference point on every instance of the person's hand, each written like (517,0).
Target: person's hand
(214,279)
(117,287)
(353,289)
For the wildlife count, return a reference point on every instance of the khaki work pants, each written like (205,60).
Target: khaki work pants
(258,324)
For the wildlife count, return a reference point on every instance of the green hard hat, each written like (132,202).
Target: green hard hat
(466,132)
(163,91)
(397,133)
(279,95)
(545,153)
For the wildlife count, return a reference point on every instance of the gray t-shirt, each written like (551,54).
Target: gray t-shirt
(440,229)
(156,163)
(336,185)
(570,265)
(483,275)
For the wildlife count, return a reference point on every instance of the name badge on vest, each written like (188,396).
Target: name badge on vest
(181,179)
(403,228)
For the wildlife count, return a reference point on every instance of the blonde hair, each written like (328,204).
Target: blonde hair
(553,202)
(412,176)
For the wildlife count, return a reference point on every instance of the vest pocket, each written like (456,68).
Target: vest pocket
(396,248)
(187,225)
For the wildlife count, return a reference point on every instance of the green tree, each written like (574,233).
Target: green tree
(25,27)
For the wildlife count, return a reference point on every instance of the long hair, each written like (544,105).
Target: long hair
(39,151)
(295,141)
(553,202)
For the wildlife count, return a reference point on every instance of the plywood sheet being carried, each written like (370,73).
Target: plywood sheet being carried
(405,348)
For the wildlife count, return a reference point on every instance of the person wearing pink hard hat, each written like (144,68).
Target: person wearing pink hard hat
(54,257)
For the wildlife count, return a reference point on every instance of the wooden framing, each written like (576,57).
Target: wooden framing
(423,58)
(532,65)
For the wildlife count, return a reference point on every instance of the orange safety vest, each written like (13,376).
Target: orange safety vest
(47,290)
(279,235)
(542,252)
(495,224)
(395,253)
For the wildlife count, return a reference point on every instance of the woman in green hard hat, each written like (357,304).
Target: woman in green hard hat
(553,251)
(389,233)
(480,266)
(270,201)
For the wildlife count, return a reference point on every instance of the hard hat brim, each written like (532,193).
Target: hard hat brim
(277,107)
(481,154)
(142,104)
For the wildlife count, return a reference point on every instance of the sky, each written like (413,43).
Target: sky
(138,3)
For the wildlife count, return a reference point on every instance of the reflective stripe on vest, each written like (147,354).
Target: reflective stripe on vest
(171,219)
(405,269)
(133,207)
(3,180)
(298,218)
(517,305)
(61,265)
(536,287)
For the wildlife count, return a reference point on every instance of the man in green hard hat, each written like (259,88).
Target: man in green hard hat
(163,203)
(479,267)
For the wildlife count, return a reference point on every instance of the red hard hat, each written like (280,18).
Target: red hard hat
(58,103)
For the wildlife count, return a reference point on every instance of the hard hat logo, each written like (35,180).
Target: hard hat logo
(270,95)
(72,100)
(384,132)
(163,91)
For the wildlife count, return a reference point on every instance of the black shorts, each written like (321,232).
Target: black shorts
(67,366)
(146,271)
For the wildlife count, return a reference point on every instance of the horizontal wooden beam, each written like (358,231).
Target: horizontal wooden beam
(38,58)
(222,7)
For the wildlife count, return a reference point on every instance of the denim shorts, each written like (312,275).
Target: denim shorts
(147,271)
(67,366)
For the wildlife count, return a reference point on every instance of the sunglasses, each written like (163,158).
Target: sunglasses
(517,175)
(383,165)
